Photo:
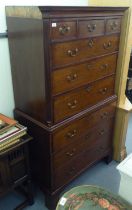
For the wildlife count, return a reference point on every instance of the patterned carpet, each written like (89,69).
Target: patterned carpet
(91,197)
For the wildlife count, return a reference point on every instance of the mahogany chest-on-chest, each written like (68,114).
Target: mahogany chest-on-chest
(63,62)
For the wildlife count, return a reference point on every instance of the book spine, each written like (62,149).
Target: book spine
(3,147)
(21,129)
(17,135)
(3,130)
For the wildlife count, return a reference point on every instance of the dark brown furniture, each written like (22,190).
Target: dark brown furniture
(15,171)
(63,67)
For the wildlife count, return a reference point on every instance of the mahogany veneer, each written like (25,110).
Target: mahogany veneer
(64,68)
(72,51)
(74,76)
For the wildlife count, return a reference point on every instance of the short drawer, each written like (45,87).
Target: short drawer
(88,28)
(63,29)
(68,171)
(113,25)
(71,103)
(100,132)
(80,50)
(74,76)
(73,131)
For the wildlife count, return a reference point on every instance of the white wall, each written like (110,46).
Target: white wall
(6,89)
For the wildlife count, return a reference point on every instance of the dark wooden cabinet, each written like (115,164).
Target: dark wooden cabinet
(63,63)
(15,171)
(4,176)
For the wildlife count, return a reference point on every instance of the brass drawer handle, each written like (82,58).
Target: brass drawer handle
(64,29)
(91,43)
(73,53)
(70,154)
(101,132)
(103,90)
(71,134)
(114,25)
(108,45)
(91,27)
(72,105)
(104,115)
(71,78)
(104,66)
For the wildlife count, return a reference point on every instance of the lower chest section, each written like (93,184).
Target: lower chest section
(81,143)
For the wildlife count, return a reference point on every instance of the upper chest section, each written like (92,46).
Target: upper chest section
(71,23)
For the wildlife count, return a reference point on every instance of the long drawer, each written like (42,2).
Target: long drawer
(71,52)
(72,133)
(71,103)
(90,137)
(72,77)
(70,170)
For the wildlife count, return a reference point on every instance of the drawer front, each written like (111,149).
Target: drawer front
(113,25)
(71,52)
(90,28)
(63,30)
(77,75)
(91,137)
(70,170)
(73,102)
(72,132)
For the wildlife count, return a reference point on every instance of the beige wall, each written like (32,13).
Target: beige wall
(118,3)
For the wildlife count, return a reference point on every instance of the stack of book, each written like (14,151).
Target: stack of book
(10,132)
